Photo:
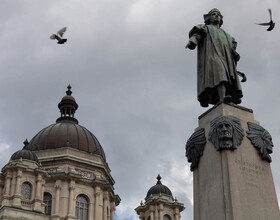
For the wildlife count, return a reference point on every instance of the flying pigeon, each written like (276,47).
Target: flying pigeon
(59,35)
(271,24)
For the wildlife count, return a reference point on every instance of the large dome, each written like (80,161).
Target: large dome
(66,132)
(159,189)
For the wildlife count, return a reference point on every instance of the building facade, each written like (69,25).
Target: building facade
(61,174)
(159,204)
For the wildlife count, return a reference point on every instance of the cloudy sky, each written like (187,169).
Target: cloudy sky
(133,79)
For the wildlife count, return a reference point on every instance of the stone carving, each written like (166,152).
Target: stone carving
(226,133)
(217,77)
(51,170)
(84,174)
(261,139)
(195,147)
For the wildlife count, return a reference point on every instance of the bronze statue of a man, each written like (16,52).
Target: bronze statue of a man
(217,79)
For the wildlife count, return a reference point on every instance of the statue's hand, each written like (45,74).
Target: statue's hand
(191,45)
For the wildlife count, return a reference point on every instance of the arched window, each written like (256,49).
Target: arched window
(48,203)
(26,190)
(82,207)
(166,217)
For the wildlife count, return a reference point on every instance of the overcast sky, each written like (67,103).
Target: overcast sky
(133,79)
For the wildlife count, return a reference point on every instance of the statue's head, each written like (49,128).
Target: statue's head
(226,132)
(213,16)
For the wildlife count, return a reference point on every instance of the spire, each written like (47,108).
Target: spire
(68,106)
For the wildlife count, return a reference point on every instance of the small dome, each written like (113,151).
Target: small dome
(67,106)
(25,154)
(159,189)
(66,132)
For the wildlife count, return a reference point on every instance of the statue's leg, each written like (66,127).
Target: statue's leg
(222,93)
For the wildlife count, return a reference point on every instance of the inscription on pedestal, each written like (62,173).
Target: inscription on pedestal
(251,172)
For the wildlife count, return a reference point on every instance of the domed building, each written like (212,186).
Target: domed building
(159,204)
(61,174)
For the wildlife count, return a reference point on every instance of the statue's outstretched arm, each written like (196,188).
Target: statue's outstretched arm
(196,33)
(193,41)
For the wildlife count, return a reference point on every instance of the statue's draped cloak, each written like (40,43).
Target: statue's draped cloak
(216,64)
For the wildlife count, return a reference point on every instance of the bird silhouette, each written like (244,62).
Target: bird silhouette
(271,24)
(59,36)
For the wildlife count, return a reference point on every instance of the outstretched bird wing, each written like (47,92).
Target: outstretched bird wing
(55,37)
(270,14)
(62,31)
(271,24)
(264,24)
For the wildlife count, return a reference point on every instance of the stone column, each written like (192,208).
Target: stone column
(98,203)
(109,208)
(152,212)
(71,207)
(38,195)
(112,209)
(101,205)
(17,196)
(38,187)
(177,214)
(57,198)
(105,205)
(43,188)
(142,216)
(13,183)
(156,213)
(1,189)
(8,184)
(6,196)
(161,212)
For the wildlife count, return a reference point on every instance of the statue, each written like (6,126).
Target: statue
(217,77)
(226,133)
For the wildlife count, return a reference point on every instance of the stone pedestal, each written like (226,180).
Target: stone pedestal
(233,184)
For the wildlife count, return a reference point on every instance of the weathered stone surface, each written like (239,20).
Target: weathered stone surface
(233,185)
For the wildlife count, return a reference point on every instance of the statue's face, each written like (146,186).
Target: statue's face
(224,130)
(215,17)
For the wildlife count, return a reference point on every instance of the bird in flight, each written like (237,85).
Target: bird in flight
(271,24)
(59,36)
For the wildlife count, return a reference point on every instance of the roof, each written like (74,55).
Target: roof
(159,188)
(66,132)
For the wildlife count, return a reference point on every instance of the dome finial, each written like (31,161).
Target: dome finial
(158,178)
(158,189)
(69,92)
(67,106)
(26,142)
